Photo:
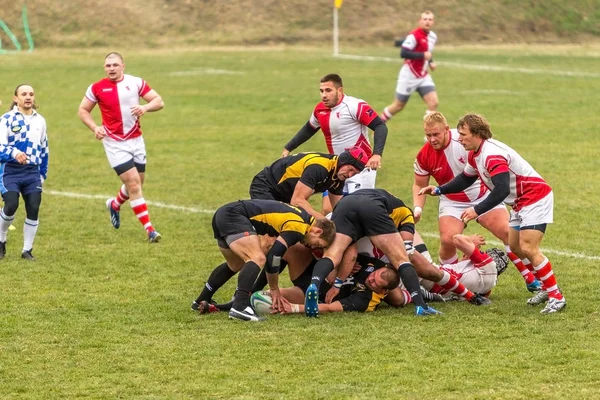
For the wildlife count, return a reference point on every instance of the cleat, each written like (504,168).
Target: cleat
(424,312)
(428,296)
(480,300)
(154,237)
(534,286)
(2,249)
(539,298)
(26,255)
(115,219)
(311,302)
(247,314)
(554,305)
(204,307)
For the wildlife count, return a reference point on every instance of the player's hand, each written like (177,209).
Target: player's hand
(427,55)
(278,300)
(468,215)
(100,132)
(430,190)
(477,240)
(285,153)
(288,308)
(355,268)
(331,293)
(374,162)
(417,211)
(432,66)
(21,158)
(138,110)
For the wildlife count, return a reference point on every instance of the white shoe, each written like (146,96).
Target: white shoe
(554,305)
(247,314)
(539,298)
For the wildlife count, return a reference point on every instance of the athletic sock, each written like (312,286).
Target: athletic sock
(261,281)
(5,222)
(545,274)
(479,258)
(217,278)
(450,283)
(451,260)
(411,282)
(523,269)
(121,198)
(422,248)
(322,268)
(141,212)
(30,228)
(246,279)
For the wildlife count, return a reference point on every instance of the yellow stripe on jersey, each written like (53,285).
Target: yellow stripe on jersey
(402,215)
(296,169)
(376,299)
(283,222)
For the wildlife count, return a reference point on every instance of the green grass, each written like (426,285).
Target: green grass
(103,314)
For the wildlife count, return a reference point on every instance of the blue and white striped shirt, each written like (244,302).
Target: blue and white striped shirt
(24,133)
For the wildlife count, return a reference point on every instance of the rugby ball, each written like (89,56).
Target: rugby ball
(261,302)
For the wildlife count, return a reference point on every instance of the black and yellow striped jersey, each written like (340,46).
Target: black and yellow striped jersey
(318,171)
(274,218)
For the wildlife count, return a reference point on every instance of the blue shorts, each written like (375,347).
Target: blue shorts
(24,179)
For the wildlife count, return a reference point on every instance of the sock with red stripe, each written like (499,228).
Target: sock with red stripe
(479,258)
(121,198)
(523,269)
(450,283)
(386,115)
(545,274)
(141,212)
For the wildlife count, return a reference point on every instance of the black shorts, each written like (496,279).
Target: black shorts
(230,223)
(261,189)
(358,216)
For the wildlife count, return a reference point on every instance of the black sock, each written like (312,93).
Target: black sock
(261,281)
(411,282)
(322,268)
(246,279)
(217,278)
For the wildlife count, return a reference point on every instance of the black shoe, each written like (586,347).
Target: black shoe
(204,307)
(2,250)
(27,255)
(479,300)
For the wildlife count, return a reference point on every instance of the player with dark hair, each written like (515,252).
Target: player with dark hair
(23,166)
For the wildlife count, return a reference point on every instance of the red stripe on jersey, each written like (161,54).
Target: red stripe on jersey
(365,113)
(496,165)
(322,114)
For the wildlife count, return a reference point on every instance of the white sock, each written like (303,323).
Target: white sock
(30,228)
(5,222)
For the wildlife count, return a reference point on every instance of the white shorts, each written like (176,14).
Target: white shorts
(451,208)
(541,212)
(121,151)
(408,83)
(364,180)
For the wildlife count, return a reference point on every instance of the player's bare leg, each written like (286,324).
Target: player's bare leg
(448,227)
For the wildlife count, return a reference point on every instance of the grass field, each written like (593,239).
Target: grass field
(103,314)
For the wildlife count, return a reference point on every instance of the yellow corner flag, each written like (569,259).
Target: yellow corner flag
(338,3)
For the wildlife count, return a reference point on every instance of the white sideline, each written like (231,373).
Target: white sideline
(207,211)
(480,67)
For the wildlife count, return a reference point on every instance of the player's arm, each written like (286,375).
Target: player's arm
(380,132)
(5,149)
(415,55)
(343,271)
(419,183)
(273,263)
(155,101)
(305,133)
(458,184)
(85,114)
(501,190)
(336,306)
(302,193)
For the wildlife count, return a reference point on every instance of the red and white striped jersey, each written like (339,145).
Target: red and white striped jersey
(115,100)
(444,165)
(344,125)
(421,41)
(494,157)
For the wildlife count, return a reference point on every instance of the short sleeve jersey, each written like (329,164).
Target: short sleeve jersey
(115,100)
(345,125)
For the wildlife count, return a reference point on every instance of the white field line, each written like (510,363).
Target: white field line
(205,71)
(480,67)
(207,211)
